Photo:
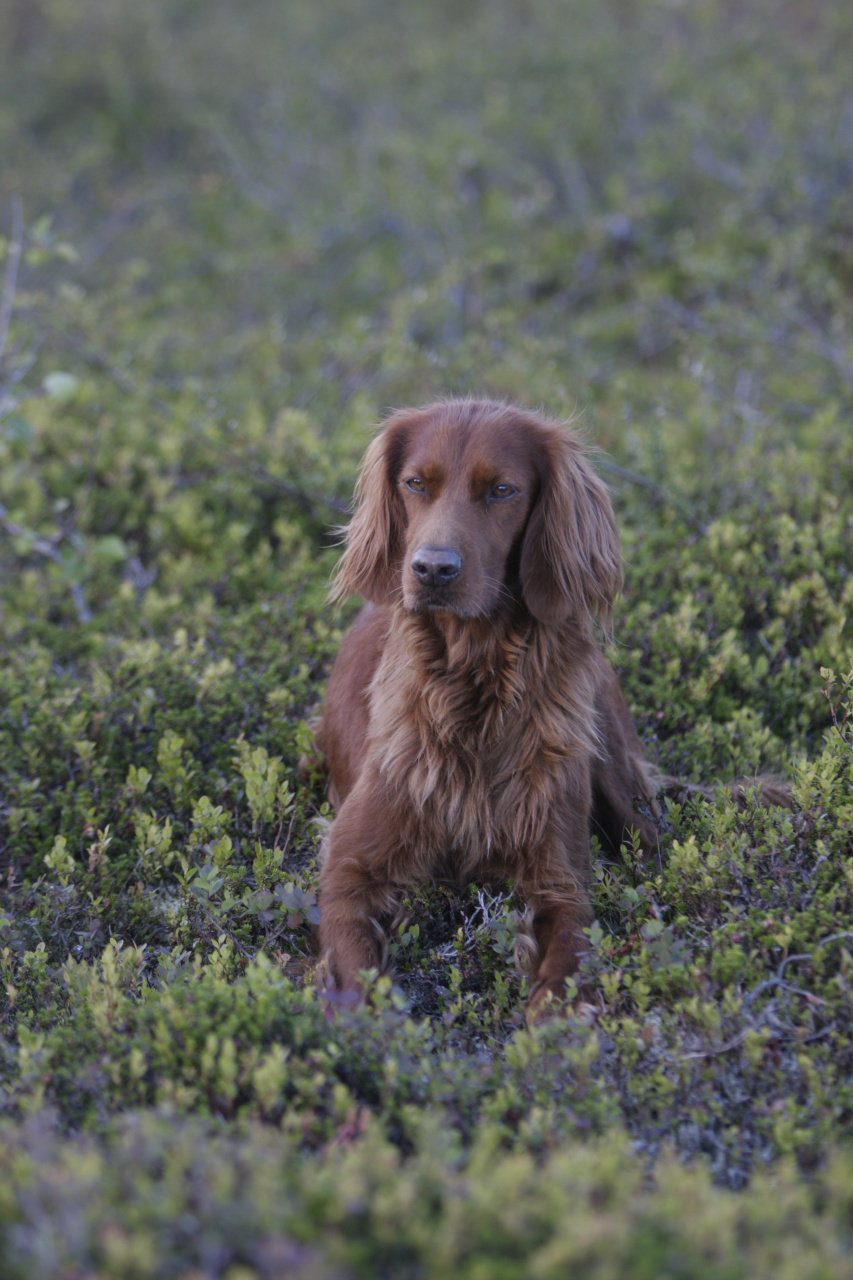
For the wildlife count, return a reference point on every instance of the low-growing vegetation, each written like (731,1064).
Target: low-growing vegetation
(232,241)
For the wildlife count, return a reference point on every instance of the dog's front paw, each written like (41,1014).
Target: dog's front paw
(548,1000)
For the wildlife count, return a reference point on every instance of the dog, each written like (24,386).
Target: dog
(472,728)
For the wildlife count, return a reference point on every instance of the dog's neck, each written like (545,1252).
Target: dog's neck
(465,641)
(450,690)
(486,646)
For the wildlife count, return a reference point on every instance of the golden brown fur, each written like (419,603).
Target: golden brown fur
(472,726)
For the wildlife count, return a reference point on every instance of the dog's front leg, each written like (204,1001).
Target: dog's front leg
(359,885)
(557,891)
(558,932)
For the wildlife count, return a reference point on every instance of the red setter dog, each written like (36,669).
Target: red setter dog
(472,727)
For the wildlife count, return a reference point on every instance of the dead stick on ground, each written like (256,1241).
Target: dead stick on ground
(7,300)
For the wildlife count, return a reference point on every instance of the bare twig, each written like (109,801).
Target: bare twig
(779,980)
(734,1043)
(686,319)
(40,545)
(822,346)
(84,613)
(48,549)
(7,300)
(682,315)
(301,496)
(95,361)
(768,1013)
(664,494)
(808,955)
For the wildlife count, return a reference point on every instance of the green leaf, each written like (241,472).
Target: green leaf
(111,548)
(17,430)
(60,386)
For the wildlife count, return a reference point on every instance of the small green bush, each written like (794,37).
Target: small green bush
(244,237)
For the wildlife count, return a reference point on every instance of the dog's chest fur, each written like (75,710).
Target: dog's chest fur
(475,741)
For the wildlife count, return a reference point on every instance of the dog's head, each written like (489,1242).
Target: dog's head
(466,506)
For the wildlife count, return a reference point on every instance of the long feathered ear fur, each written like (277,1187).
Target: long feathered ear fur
(570,559)
(370,565)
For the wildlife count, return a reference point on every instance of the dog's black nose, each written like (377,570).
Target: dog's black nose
(436,566)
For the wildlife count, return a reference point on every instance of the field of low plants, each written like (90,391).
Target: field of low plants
(231,238)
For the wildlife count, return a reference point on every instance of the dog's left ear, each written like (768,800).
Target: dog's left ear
(570,559)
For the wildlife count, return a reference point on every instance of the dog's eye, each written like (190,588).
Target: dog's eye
(501,492)
(416,485)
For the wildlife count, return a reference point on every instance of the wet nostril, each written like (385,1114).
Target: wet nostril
(436,566)
(449,569)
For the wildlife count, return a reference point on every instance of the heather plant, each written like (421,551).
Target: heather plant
(231,241)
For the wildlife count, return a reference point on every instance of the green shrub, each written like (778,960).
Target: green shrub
(268,227)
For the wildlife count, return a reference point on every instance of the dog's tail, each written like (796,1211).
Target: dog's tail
(767,790)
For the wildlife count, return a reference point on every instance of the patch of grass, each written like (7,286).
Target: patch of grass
(245,236)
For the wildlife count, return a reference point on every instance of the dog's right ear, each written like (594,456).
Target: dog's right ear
(371,564)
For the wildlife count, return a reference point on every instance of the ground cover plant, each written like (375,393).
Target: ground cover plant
(231,242)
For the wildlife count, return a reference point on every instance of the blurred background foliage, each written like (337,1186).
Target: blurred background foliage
(232,238)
